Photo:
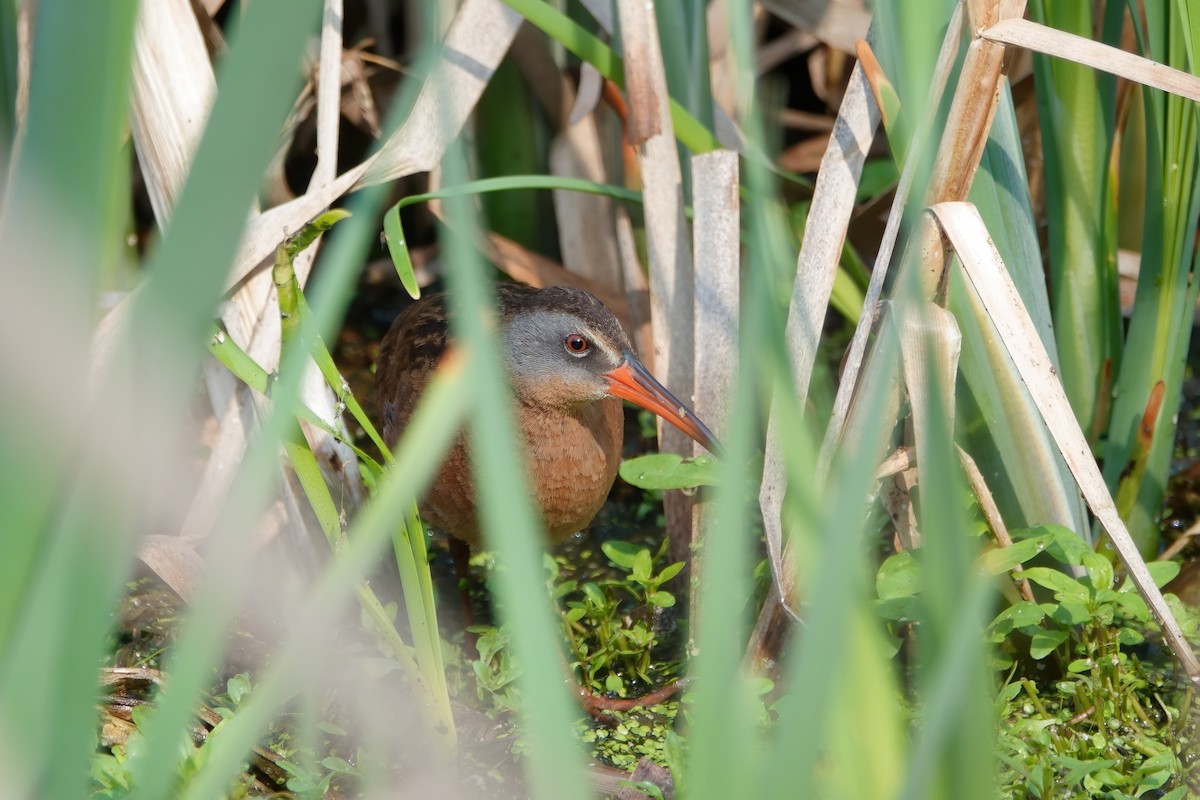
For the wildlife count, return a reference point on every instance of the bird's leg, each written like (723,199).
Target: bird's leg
(460,551)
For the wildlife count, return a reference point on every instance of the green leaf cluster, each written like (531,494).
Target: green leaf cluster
(1086,707)
(610,625)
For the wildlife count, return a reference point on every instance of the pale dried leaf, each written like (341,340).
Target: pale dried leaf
(173,88)
(1097,55)
(820,252)
(930,344)
(476,42)
(329,95)
(585,232)
(716,234)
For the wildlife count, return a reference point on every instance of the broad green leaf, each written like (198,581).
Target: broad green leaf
(1018,615)
(1130,637)
(904,608)
(1003,559)
(1099,570)
(898,576)
(1046,642)
(1163,572)
(670,571)
(642,566)
(1071,612)
(1077,769)
(661,599)
(620,552)
(1133,605)
(660,471)
(1064,586)
(1067,546)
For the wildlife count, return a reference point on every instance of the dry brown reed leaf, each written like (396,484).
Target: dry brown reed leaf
(805,156)
(667,240)
(636,289)
(526,266)
(585,221)
(991,515)
(645,87)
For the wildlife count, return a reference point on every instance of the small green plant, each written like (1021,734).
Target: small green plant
(1086,706)
(312,768)
(629,736)
(496,670)
(610,624)
(609,629)
(112,778)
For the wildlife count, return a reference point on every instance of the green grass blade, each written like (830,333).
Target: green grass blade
(394,230)
(555,764)
(1076,113)
(393,234)
(414,569)
(203,233)
(435,422)
(8,86)
(63,174)
(63,557)
(1160,325)
(952,755)
(511,182)
(1000,425)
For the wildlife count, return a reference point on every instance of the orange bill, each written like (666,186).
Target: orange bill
(633,382)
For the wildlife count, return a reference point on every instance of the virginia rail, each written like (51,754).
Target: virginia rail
(569,365)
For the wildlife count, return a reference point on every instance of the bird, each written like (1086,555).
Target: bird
(569,365)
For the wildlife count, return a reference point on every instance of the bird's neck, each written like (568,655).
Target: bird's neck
(552,396)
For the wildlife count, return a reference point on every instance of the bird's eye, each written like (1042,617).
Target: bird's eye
(576,345)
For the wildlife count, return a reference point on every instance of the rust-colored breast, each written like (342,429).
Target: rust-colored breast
(573,460)
(573,455)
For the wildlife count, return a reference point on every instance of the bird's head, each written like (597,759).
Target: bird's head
(565,348)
